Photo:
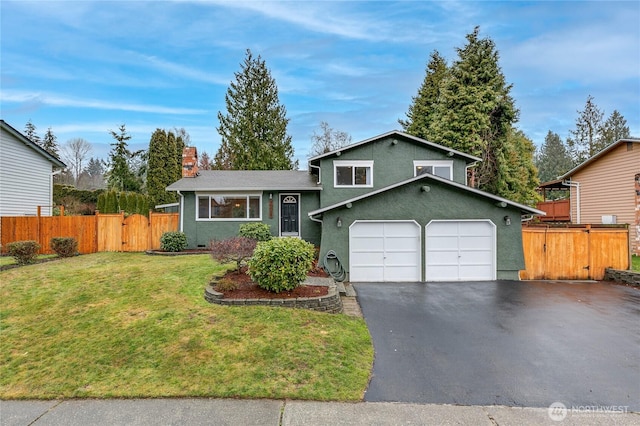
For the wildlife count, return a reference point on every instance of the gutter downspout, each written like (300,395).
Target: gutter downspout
(53,173)
(315,220)
(319,170)
(575,185)
(181,211)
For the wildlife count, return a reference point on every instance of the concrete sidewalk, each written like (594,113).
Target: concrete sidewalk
(286,413)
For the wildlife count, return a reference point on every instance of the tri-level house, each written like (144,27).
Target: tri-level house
(390,208)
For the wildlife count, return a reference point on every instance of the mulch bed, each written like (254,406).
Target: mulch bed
(248,289)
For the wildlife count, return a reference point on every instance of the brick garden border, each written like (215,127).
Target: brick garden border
(330,303)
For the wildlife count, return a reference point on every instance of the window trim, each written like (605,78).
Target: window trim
(248,196)
(433,163)
(354,164)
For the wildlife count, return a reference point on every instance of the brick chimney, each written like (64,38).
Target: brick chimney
(189,162)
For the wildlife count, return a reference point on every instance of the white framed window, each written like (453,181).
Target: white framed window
(441,168)
(228,207)
(352,174)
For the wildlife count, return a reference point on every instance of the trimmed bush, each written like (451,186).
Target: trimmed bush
(257,230)
(64,246)
(24,252)
(173,241)
(236,249)
(281,263)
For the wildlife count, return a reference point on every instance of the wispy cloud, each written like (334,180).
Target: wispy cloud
(182,71)
(55,100)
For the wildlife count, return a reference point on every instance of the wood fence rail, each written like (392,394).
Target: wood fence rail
(573,252)
(102,232)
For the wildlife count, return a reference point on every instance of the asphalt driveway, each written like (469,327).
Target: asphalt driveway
(527,343)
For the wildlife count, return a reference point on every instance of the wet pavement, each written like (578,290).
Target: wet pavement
(512,343)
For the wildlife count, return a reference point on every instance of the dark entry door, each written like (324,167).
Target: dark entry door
(289,225)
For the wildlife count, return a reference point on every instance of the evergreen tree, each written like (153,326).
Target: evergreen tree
(176,144)
(475,113)
(50,143)
(614,129)
(328,140)
(554,159)
(94,172)
(518,179)
(120,175)
(31,133)
(162,164)
(584,140)
(254,129)
(100,206)
(422,109)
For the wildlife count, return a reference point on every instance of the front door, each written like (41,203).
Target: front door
(289,220)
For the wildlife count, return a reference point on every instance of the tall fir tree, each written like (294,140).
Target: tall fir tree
(422,109)
(614,129)
(164,166)
(31,133)
(554,159)
(121,177)
(50,143)
(254,129)
(583,141)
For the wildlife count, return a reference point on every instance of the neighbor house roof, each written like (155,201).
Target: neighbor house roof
(399,134)
(597,156)
(34,146)
(248,180)
(427,176)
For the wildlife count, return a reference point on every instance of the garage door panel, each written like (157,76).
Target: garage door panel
(367,244)
(460,251)
(384,251)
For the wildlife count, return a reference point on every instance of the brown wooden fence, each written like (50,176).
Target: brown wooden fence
(573,252)
(102,232)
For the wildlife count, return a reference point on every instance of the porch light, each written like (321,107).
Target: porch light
(507,220)
(339,223)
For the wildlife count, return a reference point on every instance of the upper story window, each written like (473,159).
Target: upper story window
(229,207)
(353,173)
(441,168)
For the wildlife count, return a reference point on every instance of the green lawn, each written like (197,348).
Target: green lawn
(130,325)
(635,263)
(9,260)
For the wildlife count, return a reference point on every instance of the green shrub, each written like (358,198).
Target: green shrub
(257,230)
(281,263)
(225,284)
(24,252)
(173,241)
(64,246)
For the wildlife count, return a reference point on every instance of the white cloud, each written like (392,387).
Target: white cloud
(62,101)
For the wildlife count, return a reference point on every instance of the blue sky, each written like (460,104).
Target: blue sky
(86,67)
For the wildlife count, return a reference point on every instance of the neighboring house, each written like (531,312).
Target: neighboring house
(391,208)
(26,175)
(606,188)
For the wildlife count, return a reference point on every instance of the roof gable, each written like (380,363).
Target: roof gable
(597,156)
(426,176)
(400,135)
(35,147)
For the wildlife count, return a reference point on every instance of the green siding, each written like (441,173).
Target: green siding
(441,202)
(392,163)
(200,233)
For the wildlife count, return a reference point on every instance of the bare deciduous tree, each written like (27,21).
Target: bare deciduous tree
(75,152)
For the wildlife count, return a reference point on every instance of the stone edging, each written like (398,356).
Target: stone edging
(628,277)
(330,303)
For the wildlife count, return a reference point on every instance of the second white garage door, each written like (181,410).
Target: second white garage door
(460,250)
(384,251)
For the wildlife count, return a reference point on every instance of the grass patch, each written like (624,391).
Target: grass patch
(129,325)
(9,260)
(635,263)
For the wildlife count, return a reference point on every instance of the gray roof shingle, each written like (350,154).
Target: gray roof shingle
(248,180)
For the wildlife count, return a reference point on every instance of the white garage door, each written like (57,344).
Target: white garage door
(384,251)
(460,251)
